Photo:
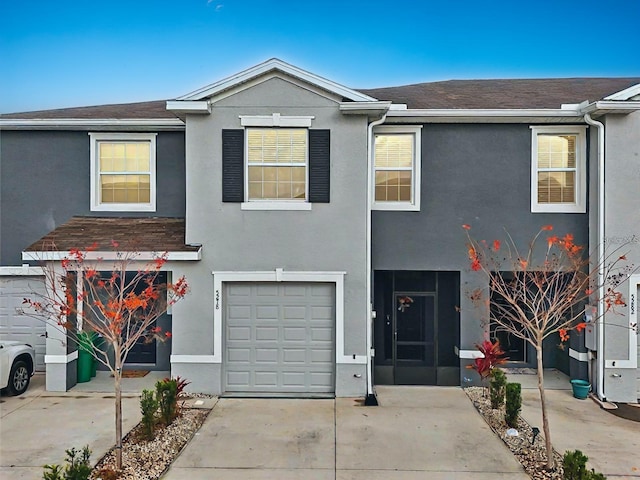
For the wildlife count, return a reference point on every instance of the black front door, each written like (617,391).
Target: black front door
(414,339)
(143,352)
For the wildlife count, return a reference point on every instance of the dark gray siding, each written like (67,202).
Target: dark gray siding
(45,179)
(473,174)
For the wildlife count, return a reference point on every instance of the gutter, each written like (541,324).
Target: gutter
(601,239)
(370,399)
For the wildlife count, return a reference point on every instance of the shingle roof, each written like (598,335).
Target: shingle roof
(151,234)
(139,110)
(450,94)
(515,93)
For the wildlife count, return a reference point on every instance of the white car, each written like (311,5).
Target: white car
(17,364)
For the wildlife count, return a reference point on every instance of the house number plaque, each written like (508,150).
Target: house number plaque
(632,304)
(217,299)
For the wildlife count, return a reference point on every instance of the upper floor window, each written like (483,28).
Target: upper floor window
(277,164)
(396,166)
(123,172)
(558,169)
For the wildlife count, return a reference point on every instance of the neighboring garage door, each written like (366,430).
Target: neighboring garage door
(13,326)
(279,338)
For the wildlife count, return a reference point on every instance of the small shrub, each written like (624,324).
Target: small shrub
(513,404)
(574,464)
(149,408)
(53,472)
(78,466)
(167,398)
(497,388)
(493,355)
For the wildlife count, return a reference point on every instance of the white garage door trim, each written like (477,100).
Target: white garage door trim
(279,275)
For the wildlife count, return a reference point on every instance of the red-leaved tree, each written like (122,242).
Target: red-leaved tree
(119,300)
(542,291)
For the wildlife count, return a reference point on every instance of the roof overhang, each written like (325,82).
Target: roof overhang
(56,256)
(276,65)
(438,115)
(134,124)
(371,109)
(631,93)
(605,107)
(189,106)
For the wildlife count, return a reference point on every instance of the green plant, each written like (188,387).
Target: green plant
(53,472)
(78,466)
(574,464)
(149,408)
(167,398)
(513,405)
(497,388)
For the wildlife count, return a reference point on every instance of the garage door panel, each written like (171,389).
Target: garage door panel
(267,355)
(291,339)
(239,333)
(295,334)
(267,313)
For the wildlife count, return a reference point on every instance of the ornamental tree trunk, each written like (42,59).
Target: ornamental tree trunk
(543,405)
(117,375)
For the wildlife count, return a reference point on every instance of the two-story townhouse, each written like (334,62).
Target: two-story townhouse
(319,226)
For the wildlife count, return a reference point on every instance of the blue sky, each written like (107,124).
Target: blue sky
(63,53)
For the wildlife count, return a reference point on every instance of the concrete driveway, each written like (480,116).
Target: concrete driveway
(415,433)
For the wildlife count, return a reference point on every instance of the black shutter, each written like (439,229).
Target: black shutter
(319,165)
(233,165)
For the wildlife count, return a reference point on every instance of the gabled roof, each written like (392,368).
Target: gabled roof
(149,234)
(276,65)
(506,93)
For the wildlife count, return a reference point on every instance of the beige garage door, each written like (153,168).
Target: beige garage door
(279,338)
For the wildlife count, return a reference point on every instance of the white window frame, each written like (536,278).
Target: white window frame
(414,204)
(580,204)
(96,204)
(273,121)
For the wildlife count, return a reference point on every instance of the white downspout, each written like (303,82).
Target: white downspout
(370,399)
(601,240)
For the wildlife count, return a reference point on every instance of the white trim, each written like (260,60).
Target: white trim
(96,205)
(56,256)
(580,356)
(24,270)
(279,275)
(193,359)
(58,359)
(632,305)
(603,107)
(416,177)
(580,205)
(82,123)
(280,66)
(187,106)
(474,114)
(276,120)
(275,205)
(468,354)
(367,108)
(626,94)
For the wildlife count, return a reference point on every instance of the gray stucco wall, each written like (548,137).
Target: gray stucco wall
(622,229)
(330,237)
(471,174)
(45,180)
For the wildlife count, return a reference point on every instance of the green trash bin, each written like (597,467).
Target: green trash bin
(85,359)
